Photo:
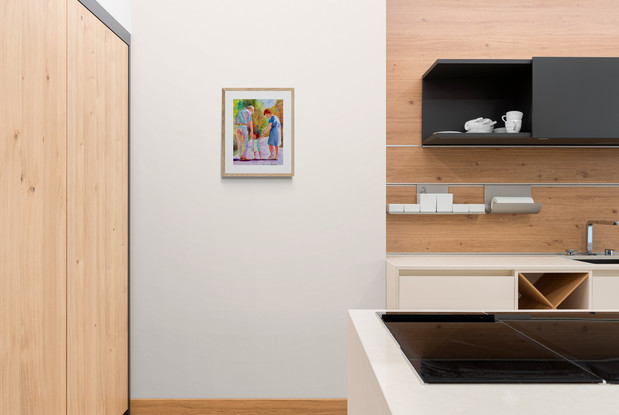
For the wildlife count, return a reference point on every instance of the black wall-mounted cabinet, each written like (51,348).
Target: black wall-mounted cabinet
(576,98)
(565,101)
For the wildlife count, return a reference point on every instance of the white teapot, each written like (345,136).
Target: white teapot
(479,125)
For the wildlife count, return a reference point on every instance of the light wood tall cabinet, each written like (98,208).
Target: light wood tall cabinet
(63,211)
(33,103)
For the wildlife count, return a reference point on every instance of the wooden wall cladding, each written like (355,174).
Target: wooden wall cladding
(559,226)
(421,31)
(502,165)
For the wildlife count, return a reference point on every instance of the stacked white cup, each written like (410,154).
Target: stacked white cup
(513,121)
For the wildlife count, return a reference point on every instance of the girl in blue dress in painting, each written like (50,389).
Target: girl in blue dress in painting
(275,133)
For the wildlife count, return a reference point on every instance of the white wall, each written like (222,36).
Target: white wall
(239,287)
(120,10)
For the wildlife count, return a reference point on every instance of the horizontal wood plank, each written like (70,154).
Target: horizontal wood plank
(401,194)
(238,406)
(559,226)
(502,165)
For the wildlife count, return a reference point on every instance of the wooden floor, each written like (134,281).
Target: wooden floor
(238,406)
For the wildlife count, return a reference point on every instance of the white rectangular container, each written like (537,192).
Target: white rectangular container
(427,202)
(395,208)
(414,208)
(460,208)
(444,202)
(477,208)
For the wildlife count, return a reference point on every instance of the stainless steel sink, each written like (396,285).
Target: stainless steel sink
(600,260)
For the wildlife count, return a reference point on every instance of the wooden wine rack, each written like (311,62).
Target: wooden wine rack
(550,290)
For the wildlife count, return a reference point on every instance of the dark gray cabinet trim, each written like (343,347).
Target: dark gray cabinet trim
(107,19)
(435,72)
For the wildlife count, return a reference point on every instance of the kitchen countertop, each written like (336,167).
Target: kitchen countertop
(382,381)
(516,262)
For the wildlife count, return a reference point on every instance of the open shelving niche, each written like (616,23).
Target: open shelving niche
(457,90)
(553,290)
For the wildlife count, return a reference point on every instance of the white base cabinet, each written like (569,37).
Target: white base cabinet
(499,283)
(451,292)
(605,290)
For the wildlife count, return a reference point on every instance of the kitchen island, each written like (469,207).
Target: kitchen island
(381,380)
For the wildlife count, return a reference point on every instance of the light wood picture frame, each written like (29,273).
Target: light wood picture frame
(257,137)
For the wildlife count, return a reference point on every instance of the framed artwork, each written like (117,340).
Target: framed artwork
(257,132)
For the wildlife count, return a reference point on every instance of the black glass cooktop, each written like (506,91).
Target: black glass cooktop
(538,347)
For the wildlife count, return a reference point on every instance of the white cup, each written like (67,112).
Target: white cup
(513,126)
(512,115)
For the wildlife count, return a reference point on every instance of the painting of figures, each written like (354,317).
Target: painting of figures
(257,137)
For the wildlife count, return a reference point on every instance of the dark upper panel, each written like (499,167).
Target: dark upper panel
(576,98)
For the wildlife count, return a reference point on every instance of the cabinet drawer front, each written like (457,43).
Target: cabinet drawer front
(605,295)
(456,293)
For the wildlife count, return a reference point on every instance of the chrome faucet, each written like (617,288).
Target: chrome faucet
(590,232)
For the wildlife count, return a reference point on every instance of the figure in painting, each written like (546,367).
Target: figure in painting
(255,144)
(274,128)
(244,131)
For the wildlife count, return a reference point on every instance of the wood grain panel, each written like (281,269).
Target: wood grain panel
(559,226)
(97,210)
(502,165)
(401,194)
(531,298)
(32,207)
(462,194)
(421,31)
(556,287)
(238,406)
